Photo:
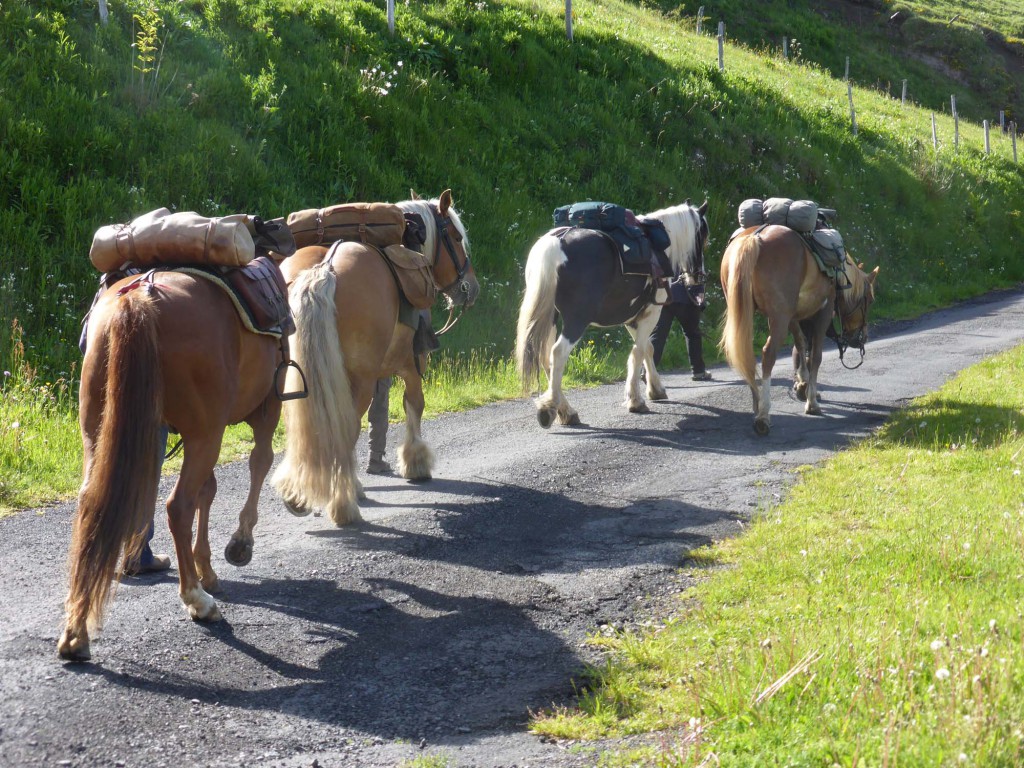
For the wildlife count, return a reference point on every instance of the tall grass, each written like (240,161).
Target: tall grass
(873,618)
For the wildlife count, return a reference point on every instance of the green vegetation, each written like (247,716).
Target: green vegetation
(268,106)
(872,618)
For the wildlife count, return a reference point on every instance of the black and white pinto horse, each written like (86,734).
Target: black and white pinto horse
(578,275)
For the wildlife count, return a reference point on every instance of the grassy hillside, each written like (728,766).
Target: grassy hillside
(267,106)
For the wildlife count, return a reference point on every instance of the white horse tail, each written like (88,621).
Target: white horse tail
(737,341)
(318,469)
(535,335)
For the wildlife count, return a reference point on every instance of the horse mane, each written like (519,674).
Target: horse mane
(858,284)
(682,223)
(426,208)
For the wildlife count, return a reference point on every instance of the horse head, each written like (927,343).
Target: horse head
(447,244)
(855,303)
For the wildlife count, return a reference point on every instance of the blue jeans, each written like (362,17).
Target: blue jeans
(146,559)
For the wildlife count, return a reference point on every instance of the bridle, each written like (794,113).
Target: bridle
(459,284)
(858,338)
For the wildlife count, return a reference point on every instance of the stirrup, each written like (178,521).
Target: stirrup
(278,389)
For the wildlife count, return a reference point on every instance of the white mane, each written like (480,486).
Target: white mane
(426,208)
(683,225)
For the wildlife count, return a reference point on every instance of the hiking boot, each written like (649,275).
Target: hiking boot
(378,466)
(702,376)
(153,564)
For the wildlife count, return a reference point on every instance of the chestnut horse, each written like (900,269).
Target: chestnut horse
(772,270)
(165,349)
(348,335)
(585,285)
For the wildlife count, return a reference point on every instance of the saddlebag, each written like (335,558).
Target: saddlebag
(414,275)
(261,290)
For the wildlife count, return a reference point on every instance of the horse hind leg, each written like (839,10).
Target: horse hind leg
(238,552)
(763,395)
(201,547)
(196,470)
(553,404)
(800,372)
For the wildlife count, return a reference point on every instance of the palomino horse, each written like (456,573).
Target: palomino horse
(773,271)
(348,335)
(166,349)
(579,277)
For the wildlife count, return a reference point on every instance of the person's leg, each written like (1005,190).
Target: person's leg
(149,562)
(660,335)
(695,343)
(378,436)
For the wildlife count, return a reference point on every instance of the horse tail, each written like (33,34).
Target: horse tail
(322,428)
(534,334)
(119,490)
(737,342)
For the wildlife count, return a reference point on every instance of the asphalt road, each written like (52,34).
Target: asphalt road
(460,605)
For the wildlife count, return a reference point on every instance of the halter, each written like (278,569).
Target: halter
(443,236)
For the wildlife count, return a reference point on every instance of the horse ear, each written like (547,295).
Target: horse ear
(873,275)
(445,201)
(412,194)
(703,208)
(860,265)
(686,201)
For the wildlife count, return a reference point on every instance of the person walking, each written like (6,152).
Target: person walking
(687,306)
(424,341)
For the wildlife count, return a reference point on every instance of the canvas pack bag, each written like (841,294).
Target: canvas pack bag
(591,215)
(372,223)
(414,274)
(161,237)
(799,215)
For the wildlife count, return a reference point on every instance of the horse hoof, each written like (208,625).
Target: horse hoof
(812,410)
(762,427)
(662,395)
(544,418)
(295,509)
(801,392)
(640,408)
(238,553)
(573,421)
(73,648)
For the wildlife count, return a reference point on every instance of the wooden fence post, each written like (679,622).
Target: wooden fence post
(785,47)
(700,20)
(568,19)
(853,112)
(1002,120)
(903,101)
(721,46)
(846,77)
(391,17)
(935,135)
(104,13)
(1013,137)
(988,147)
(956,122)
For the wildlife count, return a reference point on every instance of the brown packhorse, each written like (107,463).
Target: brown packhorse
(169,349)
(772,270)
(348,335)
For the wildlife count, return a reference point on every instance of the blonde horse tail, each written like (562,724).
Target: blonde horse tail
(119,491)
(534,334)
(321,430)
(737,342)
